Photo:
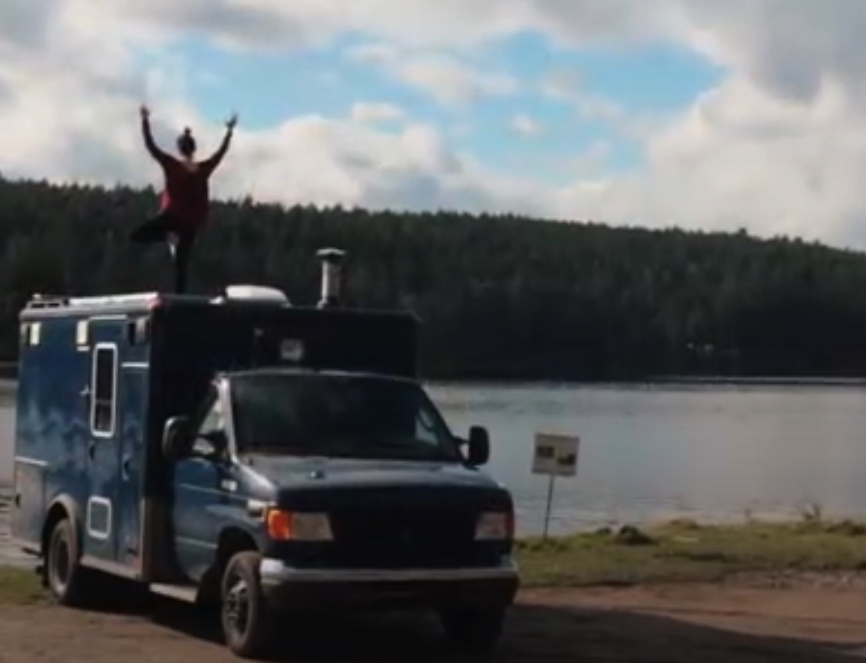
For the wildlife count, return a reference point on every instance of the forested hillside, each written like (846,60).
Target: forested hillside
(501,297)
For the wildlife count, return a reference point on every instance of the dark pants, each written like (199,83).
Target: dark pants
(158,230)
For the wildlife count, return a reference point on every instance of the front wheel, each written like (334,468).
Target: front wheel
(245,615)
(474,631)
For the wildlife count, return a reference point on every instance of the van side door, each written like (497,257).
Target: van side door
(104,422)
(198,494)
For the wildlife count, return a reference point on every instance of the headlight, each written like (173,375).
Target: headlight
(298,526)
(494,526)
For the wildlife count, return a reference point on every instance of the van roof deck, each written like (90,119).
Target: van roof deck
(125,301)
(41,306)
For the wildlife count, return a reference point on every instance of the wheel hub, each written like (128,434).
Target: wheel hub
(59,569)
(237,605)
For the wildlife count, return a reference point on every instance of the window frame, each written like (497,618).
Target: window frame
(448,444)
(215,399)
(98,348)
(203,408)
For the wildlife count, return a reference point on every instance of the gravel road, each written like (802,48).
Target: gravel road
(665,624)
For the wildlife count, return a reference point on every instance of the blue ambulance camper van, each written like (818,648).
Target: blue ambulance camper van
(240,451)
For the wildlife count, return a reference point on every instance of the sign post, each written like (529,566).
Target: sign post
(555,456)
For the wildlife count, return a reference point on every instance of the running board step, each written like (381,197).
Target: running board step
(187,593)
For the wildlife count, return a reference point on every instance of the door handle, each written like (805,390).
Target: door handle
(91,449)
(124,467)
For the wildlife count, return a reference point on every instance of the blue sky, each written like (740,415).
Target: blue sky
(650,79)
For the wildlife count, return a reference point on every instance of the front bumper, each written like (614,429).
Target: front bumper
(305,588)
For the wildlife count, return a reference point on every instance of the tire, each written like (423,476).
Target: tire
(474,631)
(244,613)
(63,575)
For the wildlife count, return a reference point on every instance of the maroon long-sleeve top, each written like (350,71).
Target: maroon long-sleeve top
(186,194)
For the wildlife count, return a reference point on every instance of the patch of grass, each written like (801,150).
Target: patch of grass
(20,586)
(677,551)
(681,551)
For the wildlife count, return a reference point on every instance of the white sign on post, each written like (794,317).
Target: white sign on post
(555,456)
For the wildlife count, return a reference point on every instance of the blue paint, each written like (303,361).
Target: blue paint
(118,486)
(92,413)
(54,428)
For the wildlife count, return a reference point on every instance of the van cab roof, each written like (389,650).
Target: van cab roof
(301,370)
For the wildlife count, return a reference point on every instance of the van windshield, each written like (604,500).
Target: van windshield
(297,414)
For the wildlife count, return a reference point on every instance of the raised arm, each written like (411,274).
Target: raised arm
(149,142)
(213,161)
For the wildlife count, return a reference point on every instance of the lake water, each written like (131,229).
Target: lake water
(711,452)
(714,453)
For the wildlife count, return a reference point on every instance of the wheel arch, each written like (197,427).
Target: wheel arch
(232,540)
(61,507)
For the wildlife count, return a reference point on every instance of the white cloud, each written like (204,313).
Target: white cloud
(446,78)
(561,84)
(352,164)
(525,125)
(778,147)
(369,112)
(273,24)
(740,157)
(592,160)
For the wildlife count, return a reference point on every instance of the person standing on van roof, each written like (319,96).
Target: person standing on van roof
(185,199)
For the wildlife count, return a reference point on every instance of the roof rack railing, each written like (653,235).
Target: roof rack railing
(114,300)
(56,301)
(255,294)
(47,301)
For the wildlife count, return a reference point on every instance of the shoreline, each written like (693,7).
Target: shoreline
(9,379)
(658,380)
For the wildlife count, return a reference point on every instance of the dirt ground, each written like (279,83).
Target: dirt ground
(665,624)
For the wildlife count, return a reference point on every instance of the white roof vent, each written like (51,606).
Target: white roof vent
(257,293)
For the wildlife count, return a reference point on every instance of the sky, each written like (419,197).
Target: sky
(743,114)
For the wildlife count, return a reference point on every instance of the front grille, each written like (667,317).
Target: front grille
(406,538)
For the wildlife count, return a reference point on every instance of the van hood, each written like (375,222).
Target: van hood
(298,480)
(340,472)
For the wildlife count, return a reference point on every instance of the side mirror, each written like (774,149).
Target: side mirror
(175,438)
(478,446)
